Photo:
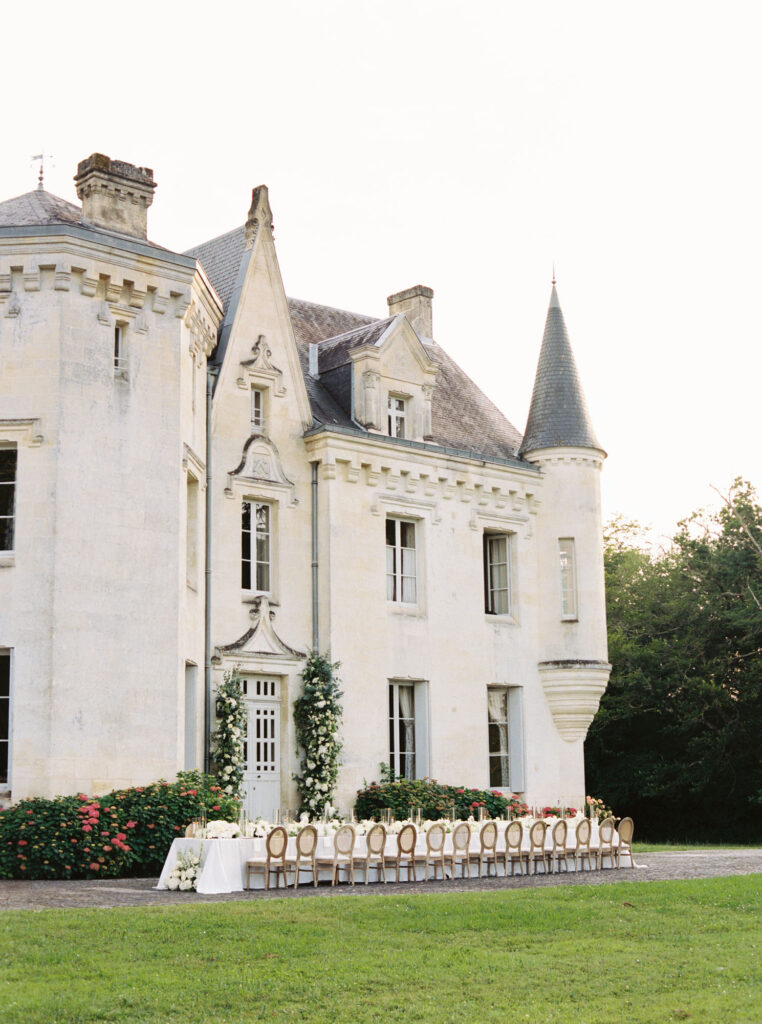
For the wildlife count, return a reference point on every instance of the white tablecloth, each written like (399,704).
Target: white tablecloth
(223,861)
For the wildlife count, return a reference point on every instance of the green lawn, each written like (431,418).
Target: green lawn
(632,952)
(676,847)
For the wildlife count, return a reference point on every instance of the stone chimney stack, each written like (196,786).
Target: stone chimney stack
(115,195)
(415,303)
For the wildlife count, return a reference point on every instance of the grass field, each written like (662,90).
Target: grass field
(676,847)
(635,952)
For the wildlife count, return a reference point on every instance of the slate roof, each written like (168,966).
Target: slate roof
(38,207)
(558,415)
(462,417)
(221,258)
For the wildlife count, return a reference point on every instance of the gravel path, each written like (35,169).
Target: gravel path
(140,892)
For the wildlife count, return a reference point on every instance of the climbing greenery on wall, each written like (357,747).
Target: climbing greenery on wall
(228,740)
(317,715)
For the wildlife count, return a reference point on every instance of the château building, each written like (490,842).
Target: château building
(199,473)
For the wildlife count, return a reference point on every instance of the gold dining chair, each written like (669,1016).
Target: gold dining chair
(306,844)
(624,846)
(559,851)
(406,840)
(461,841)
(582,852)
(606,831)
(275,859)
(375,844)
(513,853)
(488,847)
(435,855)
(343,854)
(537,852)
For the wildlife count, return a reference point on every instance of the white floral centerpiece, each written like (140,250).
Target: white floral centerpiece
(221,830)
(184,875)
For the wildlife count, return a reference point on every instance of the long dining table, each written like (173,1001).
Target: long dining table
(223,861)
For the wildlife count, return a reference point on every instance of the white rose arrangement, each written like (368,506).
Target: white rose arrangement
(221,830)
(317,716)
(184,875)
(230,734)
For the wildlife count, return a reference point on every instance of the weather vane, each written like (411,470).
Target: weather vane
(41,157)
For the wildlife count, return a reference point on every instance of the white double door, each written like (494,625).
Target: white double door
(261,776)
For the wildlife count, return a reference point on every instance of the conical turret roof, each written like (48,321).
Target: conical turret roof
(558,416)
(38,207)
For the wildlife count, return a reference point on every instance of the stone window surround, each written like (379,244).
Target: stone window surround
(20,433)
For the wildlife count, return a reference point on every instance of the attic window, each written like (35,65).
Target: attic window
(257,410)
(120,360)
(397,416)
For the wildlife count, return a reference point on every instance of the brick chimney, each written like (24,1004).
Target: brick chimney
(415,303)
(115,195)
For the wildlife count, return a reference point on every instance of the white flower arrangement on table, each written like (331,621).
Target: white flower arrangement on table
(184,875)
(426,825)
(221,830)
(257,829)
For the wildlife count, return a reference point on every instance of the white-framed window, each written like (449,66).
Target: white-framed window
(8,465)
(191,693)
(397,410)
(568,572)
(505,738)
(256,546)
(401,568)
(408,728)
(497,574)
(192,532)
(257,410)
(5,716)
(120,359)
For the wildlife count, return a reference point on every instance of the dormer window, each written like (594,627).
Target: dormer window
(397,416)
(257,410)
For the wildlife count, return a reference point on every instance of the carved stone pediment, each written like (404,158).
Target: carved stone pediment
(260,465)
(260,640)
(260,368)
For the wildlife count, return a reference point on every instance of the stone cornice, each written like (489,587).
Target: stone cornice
(98,240)
(421,478)
(555,456)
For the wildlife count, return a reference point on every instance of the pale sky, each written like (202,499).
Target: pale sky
(468,147)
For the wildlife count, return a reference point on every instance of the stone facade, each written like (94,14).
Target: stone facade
(206,474)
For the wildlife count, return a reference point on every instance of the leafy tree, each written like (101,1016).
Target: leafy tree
(677,739)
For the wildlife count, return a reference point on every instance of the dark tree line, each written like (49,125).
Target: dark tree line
(677,741)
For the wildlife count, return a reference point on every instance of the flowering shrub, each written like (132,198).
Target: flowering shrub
(185,875)
(229,738)
(317,715)
(435,800)
(127,832)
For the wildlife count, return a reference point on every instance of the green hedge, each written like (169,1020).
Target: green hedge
(434,799)
(127,832)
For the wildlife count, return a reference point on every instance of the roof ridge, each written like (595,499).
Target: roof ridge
(356,330)
(335,309)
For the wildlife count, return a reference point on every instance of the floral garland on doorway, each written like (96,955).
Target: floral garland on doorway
(230,735)
(317,716)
